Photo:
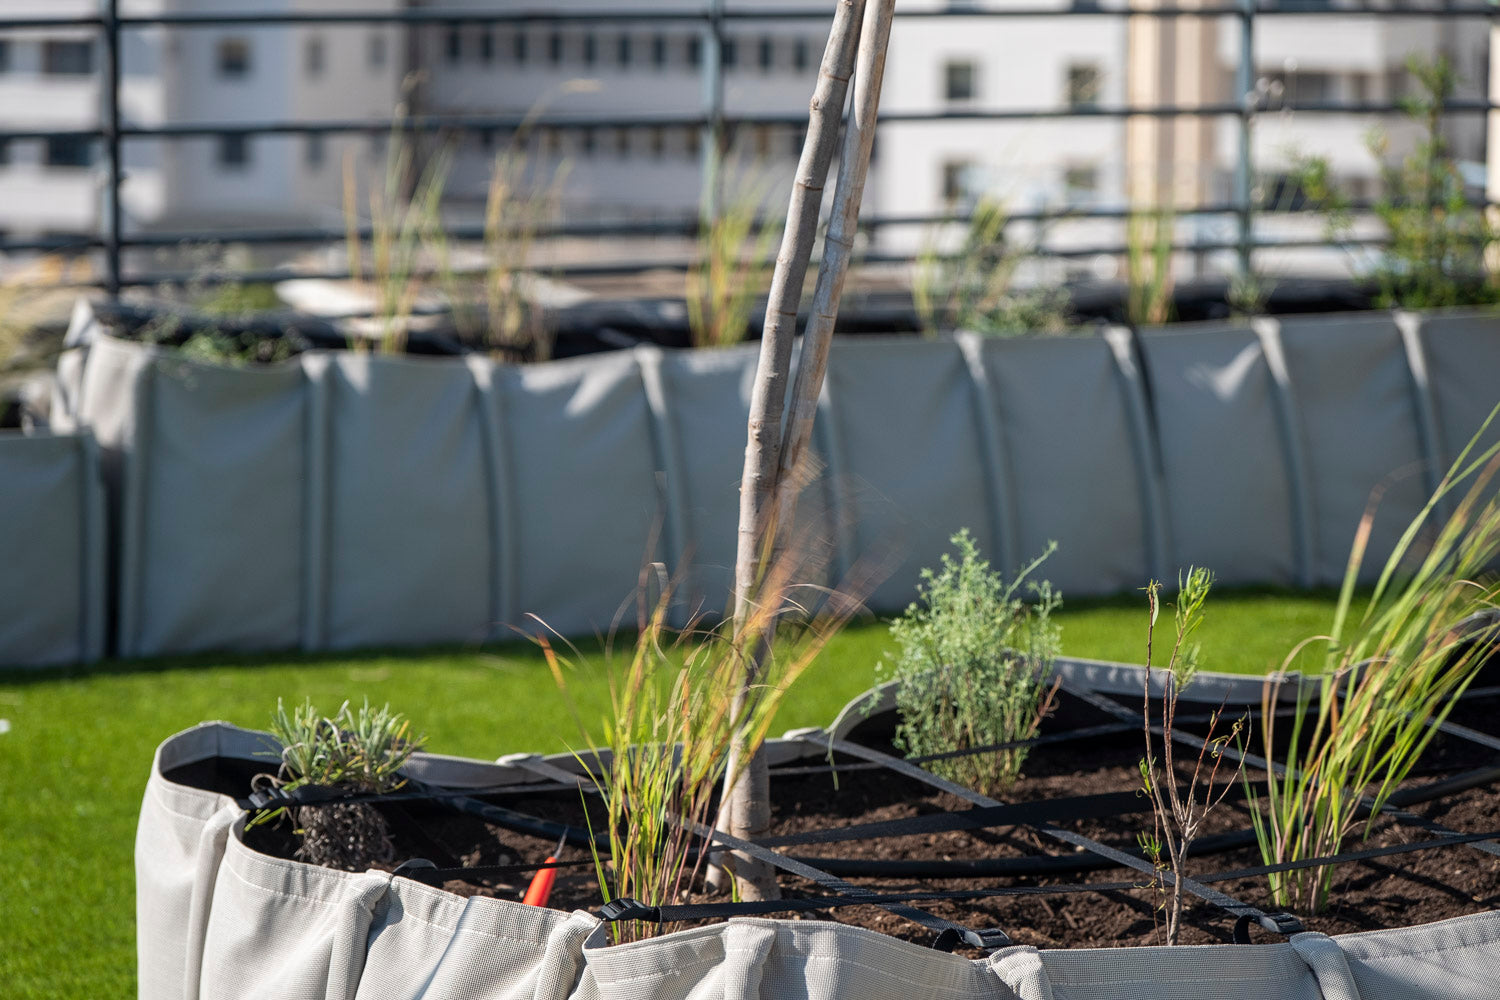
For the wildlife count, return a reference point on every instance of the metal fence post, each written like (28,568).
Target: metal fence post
(713,104)
(1244,81)
(112,215)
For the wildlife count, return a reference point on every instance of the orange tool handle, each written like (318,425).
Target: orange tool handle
(541,885)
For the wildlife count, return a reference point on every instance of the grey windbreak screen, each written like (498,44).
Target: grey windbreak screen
(347,500)
(51,550)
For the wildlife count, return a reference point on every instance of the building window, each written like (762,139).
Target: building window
(1083,86)
(487,46)
(956,179)
(234,151)
(1080,183)
(622,50)
(590,49)
(800,55)
(798,139)
(520,45)
(587,142)
(4,151)
(622,142)
(67,58)
(555,48)
(692,143)
(4,55)
(487,139)
(767,54)
(234,58)
(312,58)
(375,51)
(659,51)
(658,141)
(312,150)
(960,80)
(729,53)
(68,151)
(453,46)
(694,51)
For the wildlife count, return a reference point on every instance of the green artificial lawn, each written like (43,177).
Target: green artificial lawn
(79,744)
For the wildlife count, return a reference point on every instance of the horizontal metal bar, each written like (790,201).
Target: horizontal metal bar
(515,122)
(438,16)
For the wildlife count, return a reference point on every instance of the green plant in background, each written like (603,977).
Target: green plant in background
(501,310)
(1388,679)
(672,719)
(1148,266)
(730,270)
(975,287)
(1438,239)
(973,664)
(404,211)
(1178,809)
(352,751)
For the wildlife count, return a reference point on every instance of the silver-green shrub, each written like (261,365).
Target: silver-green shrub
(973,666)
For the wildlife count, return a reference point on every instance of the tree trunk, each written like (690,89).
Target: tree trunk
(771,478)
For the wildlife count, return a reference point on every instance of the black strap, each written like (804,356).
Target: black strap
(838,885)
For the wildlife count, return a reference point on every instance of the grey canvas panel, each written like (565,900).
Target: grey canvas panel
(408,520)
(216,511)
(1463,356)
(179,844)
(581,506)
(1457,959)
(908,464)
(1359,425)
(1071,471)
(52,548)
(1206,972)
(710,393)
(285,929)
(750,959)
(428,943)
(1226,483)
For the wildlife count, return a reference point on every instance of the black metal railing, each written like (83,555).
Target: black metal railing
(712,20)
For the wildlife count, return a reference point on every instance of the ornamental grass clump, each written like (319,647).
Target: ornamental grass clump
(1389,679)
(674,715)
(973,666)
(355,752)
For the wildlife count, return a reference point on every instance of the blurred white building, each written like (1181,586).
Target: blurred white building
(602,71)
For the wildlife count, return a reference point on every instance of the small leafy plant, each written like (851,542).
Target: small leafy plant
(357,752)
(1388,679)
(1178,810)
(973,666)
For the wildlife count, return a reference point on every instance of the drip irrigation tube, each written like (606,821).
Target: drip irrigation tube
(1050,864)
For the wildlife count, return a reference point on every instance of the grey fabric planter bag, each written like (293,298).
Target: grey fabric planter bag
(217,920)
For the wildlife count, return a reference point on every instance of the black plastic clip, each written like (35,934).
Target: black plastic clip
(1276,923)
(267,797)
(625,908)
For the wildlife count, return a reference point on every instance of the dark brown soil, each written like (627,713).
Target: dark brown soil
(1395,891)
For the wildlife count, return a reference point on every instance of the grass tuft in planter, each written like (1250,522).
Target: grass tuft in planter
(672,719)
(1389,679)
(359,752)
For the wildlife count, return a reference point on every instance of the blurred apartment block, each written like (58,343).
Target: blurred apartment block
(228,75)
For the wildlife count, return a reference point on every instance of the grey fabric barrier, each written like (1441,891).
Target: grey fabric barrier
(1227,474)
(51,550)
(347,500)
(216,920)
